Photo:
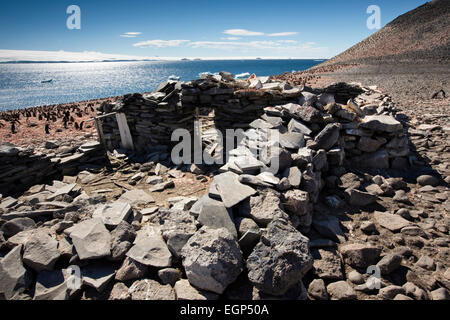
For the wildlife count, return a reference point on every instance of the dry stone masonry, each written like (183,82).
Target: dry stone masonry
(257,231)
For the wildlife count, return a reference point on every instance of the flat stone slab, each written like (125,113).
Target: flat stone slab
(113,213)
(91,239)
(136,197)
(231,190)
(215,215)
(391,222)
(150,249)
(62,191)
(97,275)
(381,123)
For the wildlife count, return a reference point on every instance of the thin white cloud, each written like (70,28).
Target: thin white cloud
(282,34)
(130,34)
(231,38)
(242,32)
(160,43)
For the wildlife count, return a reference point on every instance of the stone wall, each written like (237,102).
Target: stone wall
(226,103)
(22,168)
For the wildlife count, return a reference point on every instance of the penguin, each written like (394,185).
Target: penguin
(47,128)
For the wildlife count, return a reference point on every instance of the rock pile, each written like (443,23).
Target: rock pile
(259,232)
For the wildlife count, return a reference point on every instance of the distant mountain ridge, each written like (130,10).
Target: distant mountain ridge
(422,34)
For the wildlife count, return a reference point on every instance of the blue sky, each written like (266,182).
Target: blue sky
(198,28)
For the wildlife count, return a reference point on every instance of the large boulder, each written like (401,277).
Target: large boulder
(212,259)
(280,259)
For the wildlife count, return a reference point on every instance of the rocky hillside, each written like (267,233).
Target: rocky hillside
(419,35)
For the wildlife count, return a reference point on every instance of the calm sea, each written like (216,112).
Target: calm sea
(21,87)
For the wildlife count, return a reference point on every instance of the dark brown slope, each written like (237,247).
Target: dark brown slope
(421,35)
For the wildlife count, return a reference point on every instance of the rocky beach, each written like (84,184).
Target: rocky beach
(357,207)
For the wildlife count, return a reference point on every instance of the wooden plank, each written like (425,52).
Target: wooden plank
(125,135)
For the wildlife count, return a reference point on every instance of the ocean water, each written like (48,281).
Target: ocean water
(21,87)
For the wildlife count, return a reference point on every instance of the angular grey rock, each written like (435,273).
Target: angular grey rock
(177,227)
(427,180)
(440,294)
(327,264)
(389,292)
(41,251)
(327,138)
(263,208)
(113,213)
(389,263)
(63,190)
(14,278)
(360,255)
(245,224)
(391,222)
(151,290)
(52,285)
(361,199)
(367,144)
(253,180)
(426,263)
(131,270)
(276,159)
(378,160)
(330,227)
(154,180)
(284,249)
(8,203)
(249,240)
(150,249)
(136,197)
(297,126)
(212,259)
(231,190)
(317,290)
(216,216)
(269,178)
(14,226)
(185,291)
(122,238)
(169,276)
(91,239)
(119,292)
(294,176)
(293,140)
(307,99)
(297,202)
(97,275)
(341,290)
(381,123)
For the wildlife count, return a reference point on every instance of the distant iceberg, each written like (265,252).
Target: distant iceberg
(174,77)
(242,75)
